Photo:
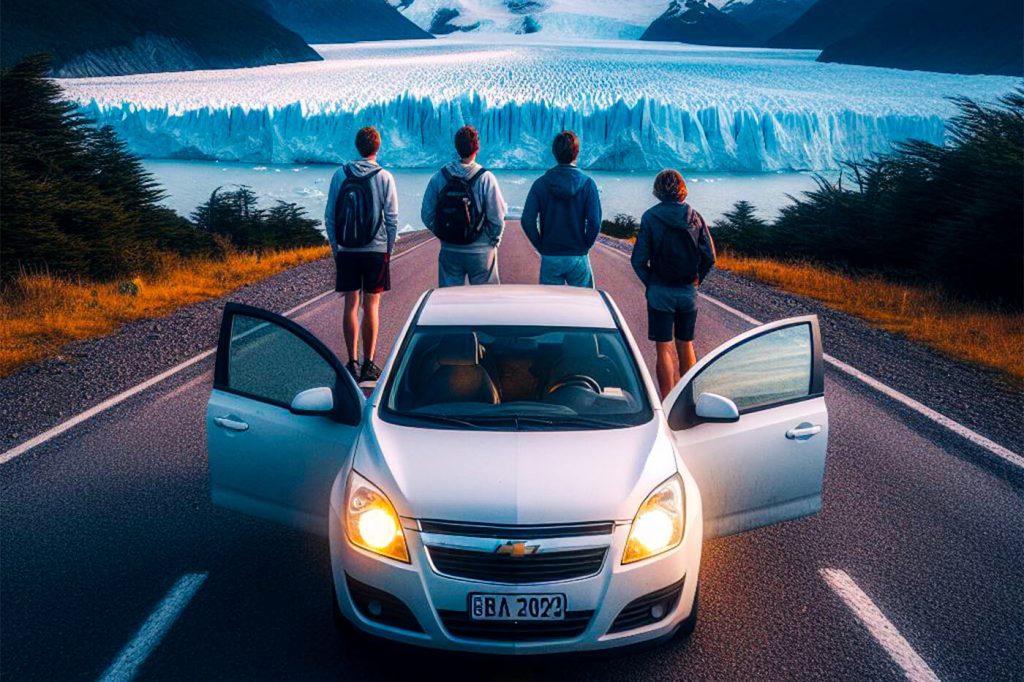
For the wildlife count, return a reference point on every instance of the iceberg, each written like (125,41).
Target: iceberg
(636,107)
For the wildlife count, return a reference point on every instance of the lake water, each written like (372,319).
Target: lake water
(189,183)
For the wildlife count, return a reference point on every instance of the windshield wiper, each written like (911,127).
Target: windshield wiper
(575,420)
(442,419)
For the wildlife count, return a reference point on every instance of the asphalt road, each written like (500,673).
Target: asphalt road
(99,523)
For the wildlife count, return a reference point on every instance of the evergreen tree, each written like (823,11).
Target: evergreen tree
(741,229)
(73,200)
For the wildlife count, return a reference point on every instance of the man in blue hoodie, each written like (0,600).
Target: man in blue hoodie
(566,202)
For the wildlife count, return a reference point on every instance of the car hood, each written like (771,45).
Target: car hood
(509,477)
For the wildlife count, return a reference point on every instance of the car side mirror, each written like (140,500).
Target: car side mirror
(712,407)
(313,401)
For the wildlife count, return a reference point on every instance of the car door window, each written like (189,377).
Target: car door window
(270,363)
(769,369)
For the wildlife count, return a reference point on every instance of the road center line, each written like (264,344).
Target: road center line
(135,652)
(1007,455)
(880,627)
(68,424)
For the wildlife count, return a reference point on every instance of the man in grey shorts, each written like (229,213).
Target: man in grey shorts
(672,256)
(463,207)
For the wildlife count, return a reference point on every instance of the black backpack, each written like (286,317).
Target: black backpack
(355,222)
(458,219)
(676,261)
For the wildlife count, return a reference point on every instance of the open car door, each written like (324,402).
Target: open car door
(280,421)
(750,423)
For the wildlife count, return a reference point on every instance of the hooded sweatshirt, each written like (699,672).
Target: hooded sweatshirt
(670,215)
(385,205)
(567,203)
(488,197)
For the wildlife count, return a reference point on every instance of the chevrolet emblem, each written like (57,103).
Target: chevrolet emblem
(516,549)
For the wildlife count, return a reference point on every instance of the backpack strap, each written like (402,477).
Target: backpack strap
(476,176)
(348,172)
(446,174)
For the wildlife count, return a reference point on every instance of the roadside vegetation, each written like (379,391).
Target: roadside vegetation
(85,244)
(927,242)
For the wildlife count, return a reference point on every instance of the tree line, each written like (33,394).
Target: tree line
(948,215)
(75,202)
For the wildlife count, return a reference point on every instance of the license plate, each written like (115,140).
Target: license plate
(517,606)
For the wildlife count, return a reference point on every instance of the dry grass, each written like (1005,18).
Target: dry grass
(40,314)
(966,331)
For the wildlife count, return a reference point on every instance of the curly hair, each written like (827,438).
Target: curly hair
(670,186)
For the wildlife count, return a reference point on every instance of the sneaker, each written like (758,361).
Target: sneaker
(353,369)
(371,372)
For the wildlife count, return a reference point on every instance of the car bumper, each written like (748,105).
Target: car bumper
(439,604)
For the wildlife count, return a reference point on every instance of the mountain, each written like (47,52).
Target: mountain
(117,37)
(696,21)
(827,21)
(939,35)
(342,21)
(555,18)
(765,18)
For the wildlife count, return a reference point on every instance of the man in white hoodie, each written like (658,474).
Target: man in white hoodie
(362,225)
(463,207)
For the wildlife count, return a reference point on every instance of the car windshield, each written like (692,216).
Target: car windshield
(516,378)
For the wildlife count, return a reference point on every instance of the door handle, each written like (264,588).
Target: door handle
(229,423)
(803,431)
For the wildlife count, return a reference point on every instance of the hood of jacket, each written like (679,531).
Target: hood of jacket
(565,181)
(461,170)
(362,167)
(672,215)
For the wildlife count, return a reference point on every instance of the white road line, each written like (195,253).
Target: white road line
(1007,455)
(884,632)
(60,428)
(135,652)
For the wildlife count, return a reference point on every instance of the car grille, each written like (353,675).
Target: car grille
(533,532)
(459,624)
(637,613)
(542,567)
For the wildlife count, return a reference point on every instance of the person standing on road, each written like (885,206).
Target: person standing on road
(567,204)
(672,256)
(362,224)
(463,207)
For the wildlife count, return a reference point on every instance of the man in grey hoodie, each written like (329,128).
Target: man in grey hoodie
(362,189)
(476,260)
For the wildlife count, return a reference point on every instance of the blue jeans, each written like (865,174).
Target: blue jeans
(455,267)
(572,270)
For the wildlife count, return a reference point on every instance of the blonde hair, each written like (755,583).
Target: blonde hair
(670,186)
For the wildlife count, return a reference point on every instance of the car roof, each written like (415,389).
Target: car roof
(517,305)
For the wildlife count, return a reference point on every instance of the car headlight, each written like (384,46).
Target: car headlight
(371,520)
(658,525)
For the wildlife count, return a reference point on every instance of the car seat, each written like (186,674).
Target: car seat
(459,377)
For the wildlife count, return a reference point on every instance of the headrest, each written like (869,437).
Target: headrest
(580,345)
(458,350)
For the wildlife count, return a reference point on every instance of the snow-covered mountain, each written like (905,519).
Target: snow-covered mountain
(113,37)
(765,18)
(699,22)
(342,21)
(556,18)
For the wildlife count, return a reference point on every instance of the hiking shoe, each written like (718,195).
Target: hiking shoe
(353,369)
(371,372)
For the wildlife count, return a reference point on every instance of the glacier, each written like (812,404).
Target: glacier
(636,106)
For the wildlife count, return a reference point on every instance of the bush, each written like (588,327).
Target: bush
(234,214)
(952,215)
(624,226)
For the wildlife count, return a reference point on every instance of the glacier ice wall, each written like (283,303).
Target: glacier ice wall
(636,105)
(645,135)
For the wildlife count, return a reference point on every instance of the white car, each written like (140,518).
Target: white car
(513,485)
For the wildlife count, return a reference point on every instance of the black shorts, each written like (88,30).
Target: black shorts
(659,325)
(367,271)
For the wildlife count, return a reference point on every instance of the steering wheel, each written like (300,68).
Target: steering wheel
(578,380)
